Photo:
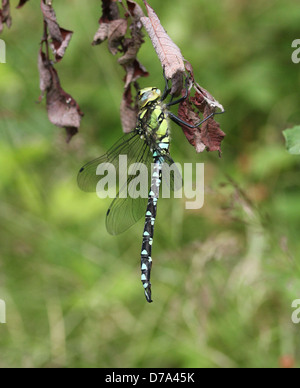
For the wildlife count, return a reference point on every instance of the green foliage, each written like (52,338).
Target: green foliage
(224,276)
(292,138)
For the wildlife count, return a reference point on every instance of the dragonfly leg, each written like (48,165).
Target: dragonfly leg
(180,122)
(182,98)
(167,90)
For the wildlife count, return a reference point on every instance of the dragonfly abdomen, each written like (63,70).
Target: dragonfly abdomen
(146,259)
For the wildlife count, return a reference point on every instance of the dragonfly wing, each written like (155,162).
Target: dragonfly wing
(129,144)
(125,212)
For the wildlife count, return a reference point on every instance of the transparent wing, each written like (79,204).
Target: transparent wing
(125,212)
(130,144)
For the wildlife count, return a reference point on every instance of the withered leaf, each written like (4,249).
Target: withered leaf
(187,114)
(128,111)
(211,133)
(132,45)
(189,69)
(134,71)
(203,94)
(167,51)
(60,37)
(21,3)
(209,136)
(136,11)
(110,12)
(202,97)
(133,68)
(114,28)
(63,110)
(5,17)
(45,74)
(131,48)
(116,33)
(101,35)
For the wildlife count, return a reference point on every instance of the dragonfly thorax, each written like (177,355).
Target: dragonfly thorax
(153,125)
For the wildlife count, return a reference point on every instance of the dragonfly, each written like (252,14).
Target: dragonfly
(148,144)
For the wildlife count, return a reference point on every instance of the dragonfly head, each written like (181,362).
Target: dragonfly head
(148,95)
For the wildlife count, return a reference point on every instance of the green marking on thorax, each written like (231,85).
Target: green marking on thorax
(158,110)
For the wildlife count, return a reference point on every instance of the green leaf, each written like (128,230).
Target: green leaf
(292,137)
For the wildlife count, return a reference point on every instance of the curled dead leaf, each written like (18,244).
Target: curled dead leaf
(208,98)
(101,34)
(187,114)
(110,12)
(5,17)
(209,136)
(129,108)
(211,133)
(167,51)
(115,29)
(136,11)
(134,71)
(21,3)
(116,33)
(59,36)
(202,97)
(45,74)
(128,111)
(63,110)
(132,45)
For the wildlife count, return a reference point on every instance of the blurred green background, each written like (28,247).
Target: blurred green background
(225,276)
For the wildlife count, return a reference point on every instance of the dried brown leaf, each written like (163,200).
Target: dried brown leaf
(45,74)
(209,136)
(187,114)
(60,37)
(101,34)
(134,71)
(63,110)
(167,51)
(114,28)
(135,10)
(116,33)
(132,45)
(202,97)
(21,3)
(128,111)
(59,46)
(110,12)
(5,17)
(211,133)
(208,98)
